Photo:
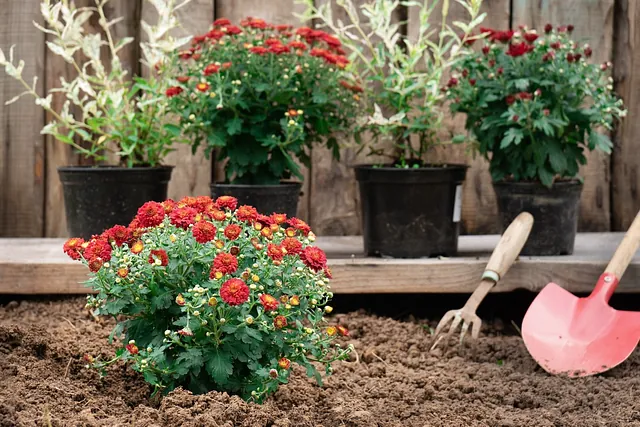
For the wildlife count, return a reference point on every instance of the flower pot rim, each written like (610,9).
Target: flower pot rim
(282,184)
(564,183)
(109,168)
(387,167)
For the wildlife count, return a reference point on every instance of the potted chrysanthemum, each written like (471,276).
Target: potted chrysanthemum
(262,95)
(107,114)
(410,207)
(535,104)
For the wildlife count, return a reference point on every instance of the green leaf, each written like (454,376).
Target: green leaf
(217,139)
(219,365)
(319,98)
(521,84)
(160,302)
(189,360)
(546,177)
(557,158)
(116,332)
(513,135)
(234,126)
(600,142)
(173,129)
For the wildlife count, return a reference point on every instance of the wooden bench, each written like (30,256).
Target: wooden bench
(38,266)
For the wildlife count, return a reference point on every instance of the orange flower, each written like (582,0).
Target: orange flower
(284,363)
(275,252)
(202,87)
(232,231)
(294,300)
(280,322)
(268,302)
(123,272)
(180,300)
(73,247)
(331,331)
(226,65)
(137,247)
(210,69)
(247,213)
(267,232)
(132,348)
(279,218)
(226,202)
(292,113)
(342,331)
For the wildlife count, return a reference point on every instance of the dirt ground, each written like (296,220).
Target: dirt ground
(395,382)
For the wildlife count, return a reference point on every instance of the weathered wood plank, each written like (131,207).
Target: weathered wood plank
(275,12)
(593,21)
(38,266)
(192,173)
(625,167)
(22,165)
(479,209)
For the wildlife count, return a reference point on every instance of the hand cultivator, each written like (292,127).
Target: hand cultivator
(584,336)
(501,260)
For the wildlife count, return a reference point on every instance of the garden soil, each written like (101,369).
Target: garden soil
(393,381)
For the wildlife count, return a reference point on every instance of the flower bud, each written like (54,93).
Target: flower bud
(328,309)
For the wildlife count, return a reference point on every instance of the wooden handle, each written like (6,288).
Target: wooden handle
(510,244)
(626,250)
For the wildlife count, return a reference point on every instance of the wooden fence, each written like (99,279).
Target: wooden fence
(30,193)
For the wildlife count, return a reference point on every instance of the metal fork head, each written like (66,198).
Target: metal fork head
(455,317)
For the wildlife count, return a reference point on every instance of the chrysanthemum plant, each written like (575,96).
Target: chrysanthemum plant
(211,296)
(104,109)
(401,75)
(262,95)
(534,103)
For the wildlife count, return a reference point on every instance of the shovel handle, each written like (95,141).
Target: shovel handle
(510,245)
(627,249)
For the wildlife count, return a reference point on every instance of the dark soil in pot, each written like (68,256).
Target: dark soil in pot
(396,382)
(267,199)
(555,211)
(97,198)
(411,213)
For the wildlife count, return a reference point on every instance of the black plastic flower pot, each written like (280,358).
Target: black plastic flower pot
(411,213)
(99,197)
(267,199)
(555,211)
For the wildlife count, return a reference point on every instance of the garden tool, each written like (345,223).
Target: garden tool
(577,337)
(502,258)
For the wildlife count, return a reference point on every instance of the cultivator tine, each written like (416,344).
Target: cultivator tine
(475,330)
(448,316)
(465,327)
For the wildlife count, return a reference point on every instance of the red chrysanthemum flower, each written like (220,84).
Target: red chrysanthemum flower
(182,79)
(226,65)
(159,254)
(275,252)
(123,272)
(234,292)
(284,363)
(224,263)
(268,302)
(150,214)
(173,91)
(530,37)
(198,39)
(247,213)
(280,322)
(524,96)
(486,50)
(299,225)
(204,231)
(278,49)
(202,87)
(214,35)
(501,36)
(180,300)
(211,69)
(510,99)
(183,217)
(327,272)
(298,45)
(169,205)
(98,248)
(227,202)
(548,28)
(283,27)
(279,218)
(95,264)
(232,29)
(314,258)
(519,49)
(258,50)
(118,234)
(304,31)
(331,40)
(132,348)
(272,41)
(221,22)
(292,245)
(73,247)
(232,231)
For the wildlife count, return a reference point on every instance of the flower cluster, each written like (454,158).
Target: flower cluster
(534,102)
(214,296)
(262,95)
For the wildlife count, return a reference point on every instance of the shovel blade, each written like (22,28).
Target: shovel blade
(578,337)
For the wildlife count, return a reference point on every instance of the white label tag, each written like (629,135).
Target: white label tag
(457,207)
